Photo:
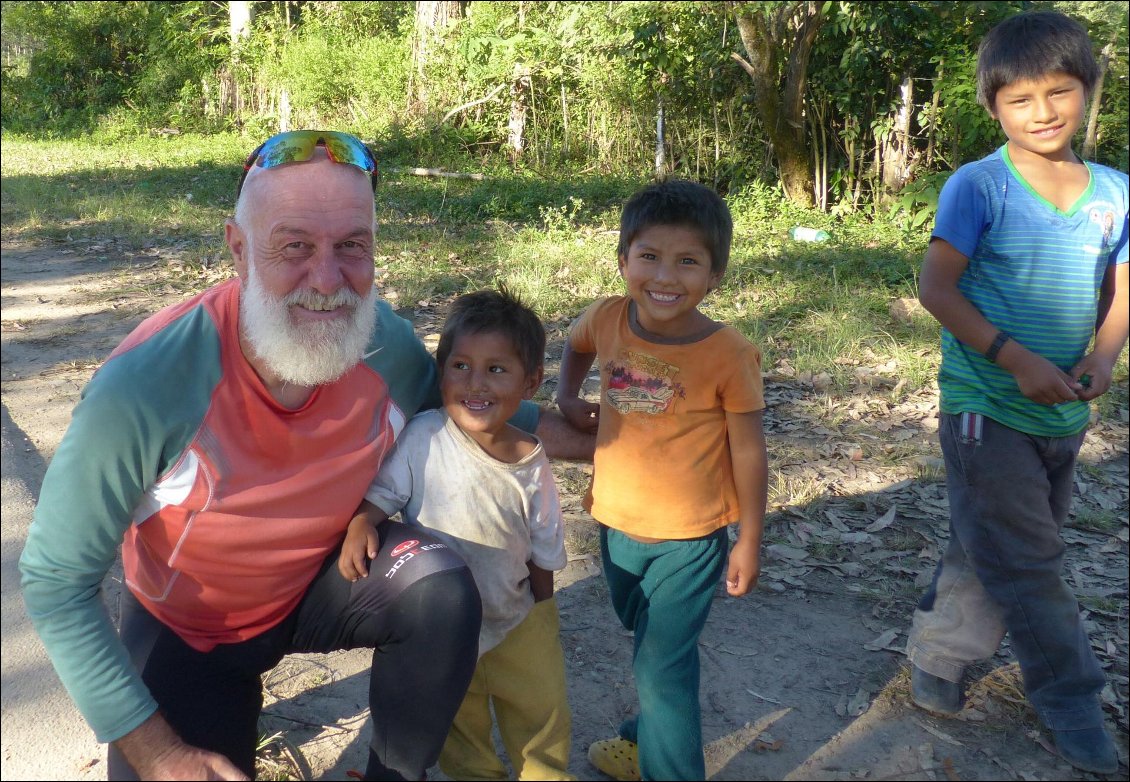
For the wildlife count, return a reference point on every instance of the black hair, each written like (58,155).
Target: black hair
(684,203)
(495,311)
(1032,45)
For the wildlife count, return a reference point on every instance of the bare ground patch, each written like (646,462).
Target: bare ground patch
(803,679)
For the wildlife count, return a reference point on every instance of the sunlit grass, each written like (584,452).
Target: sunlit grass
(823,307)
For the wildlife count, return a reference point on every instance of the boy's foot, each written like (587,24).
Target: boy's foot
(618,758)
(1090,749)
(933,693)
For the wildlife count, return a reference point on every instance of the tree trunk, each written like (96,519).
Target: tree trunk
(1091,141)
(778,42)
(239,23)
(935,100)
(896,149)
(239,30)
(519,104)
(432,18)
(660,149)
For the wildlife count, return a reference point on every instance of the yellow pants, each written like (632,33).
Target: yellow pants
(524,679)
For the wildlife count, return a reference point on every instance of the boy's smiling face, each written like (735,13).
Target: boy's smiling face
(1040,116)
(668,272)
(483,381)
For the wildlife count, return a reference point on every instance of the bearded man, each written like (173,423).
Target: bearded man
(226,444)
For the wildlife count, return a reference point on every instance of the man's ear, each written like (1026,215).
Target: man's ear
(622,261)
(237,244)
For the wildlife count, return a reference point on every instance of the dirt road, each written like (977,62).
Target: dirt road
(804,679)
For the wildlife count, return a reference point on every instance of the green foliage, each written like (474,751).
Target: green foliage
(917,203)
(83,59)
(598,72)
(91,63)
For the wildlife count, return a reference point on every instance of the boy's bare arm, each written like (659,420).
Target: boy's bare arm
(541,582)
(1039,379)
(361,541)
(574,368)
(1110,335)
(751,479)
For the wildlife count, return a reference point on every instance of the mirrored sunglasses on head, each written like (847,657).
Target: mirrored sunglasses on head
(297,146)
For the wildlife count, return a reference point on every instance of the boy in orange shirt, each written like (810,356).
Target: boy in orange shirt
(680,456)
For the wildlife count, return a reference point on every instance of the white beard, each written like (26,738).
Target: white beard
(315,353)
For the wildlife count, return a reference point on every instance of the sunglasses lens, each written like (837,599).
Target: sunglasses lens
(347,149)
(287,148)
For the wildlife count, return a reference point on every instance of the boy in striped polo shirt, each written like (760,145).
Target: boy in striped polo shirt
(1027,262)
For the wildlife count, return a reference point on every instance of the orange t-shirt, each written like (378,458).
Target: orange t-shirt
(662,466)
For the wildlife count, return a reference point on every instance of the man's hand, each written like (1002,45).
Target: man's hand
(156,752)
(583,415)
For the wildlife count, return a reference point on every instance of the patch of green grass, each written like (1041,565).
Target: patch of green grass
(1097,520)
(146,190)
(795,490)
(583,540)
(823,307)
(930,469)
(1102,605)
(825,552)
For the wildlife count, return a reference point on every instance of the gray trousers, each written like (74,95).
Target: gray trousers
(1009,495)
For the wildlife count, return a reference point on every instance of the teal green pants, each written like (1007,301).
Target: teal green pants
(662,593)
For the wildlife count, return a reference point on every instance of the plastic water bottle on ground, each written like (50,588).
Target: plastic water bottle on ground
(802,234)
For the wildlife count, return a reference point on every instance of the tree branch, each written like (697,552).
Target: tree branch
(745,65)
(483,99)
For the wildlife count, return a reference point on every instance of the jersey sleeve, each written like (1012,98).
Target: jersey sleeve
(94,480)
(135,417)
(963,212)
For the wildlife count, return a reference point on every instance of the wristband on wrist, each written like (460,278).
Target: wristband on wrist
(995,348)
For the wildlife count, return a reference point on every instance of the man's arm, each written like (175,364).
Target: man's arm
(156,752)
(1039,379)
(562,440)
(82,513)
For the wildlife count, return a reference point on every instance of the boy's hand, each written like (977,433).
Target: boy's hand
(1094,374)
(744,567)
(361,544)
(1039,379)
(583,415)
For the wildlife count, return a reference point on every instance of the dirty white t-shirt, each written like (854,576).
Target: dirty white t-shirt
(498,516)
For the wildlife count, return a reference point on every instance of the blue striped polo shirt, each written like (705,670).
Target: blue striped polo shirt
(1034,272)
